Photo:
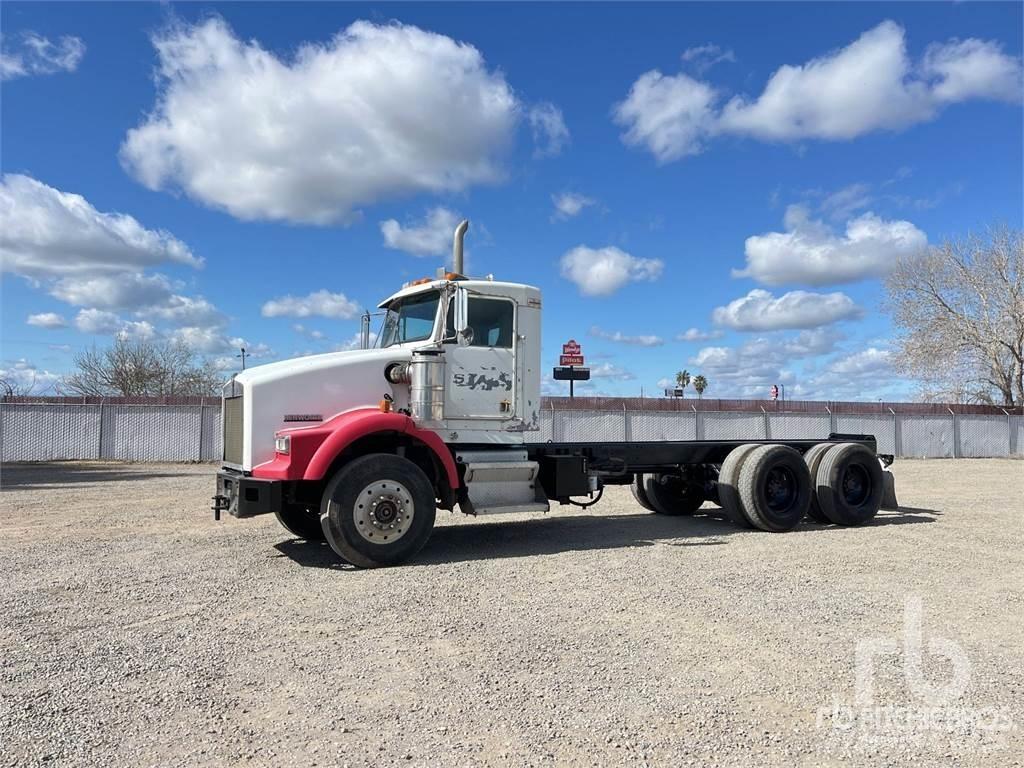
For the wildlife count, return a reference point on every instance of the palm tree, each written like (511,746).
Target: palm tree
(700,384)
(683,380)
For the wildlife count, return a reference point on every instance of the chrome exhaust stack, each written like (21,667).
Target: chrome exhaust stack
(457,250)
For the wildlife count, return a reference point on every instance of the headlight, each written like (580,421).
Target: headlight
(283,443)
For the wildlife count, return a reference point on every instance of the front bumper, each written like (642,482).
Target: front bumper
(243,496)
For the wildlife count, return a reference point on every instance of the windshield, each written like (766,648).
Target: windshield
(410,319)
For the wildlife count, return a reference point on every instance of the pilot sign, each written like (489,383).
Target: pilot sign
(572,354)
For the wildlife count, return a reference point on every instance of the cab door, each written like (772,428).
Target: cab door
(481,374)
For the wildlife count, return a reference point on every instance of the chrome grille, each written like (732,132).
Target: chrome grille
(233,416)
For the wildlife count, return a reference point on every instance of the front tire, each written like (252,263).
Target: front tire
(301,522)
(378,510)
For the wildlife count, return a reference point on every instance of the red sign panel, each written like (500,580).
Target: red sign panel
(571,348)
(570,360)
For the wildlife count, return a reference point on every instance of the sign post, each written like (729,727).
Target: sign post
(571,365)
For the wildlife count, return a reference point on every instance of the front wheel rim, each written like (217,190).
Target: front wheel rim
(383,512)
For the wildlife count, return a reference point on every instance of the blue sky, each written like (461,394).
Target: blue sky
(711,187)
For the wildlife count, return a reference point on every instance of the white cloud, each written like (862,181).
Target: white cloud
(36,55)
(186,310)
(972,69)
(431,236)
(870,360)
(611,371)
(703,57)
(621,338)
(668,115)
(310,333)
(126,290)
(48,233)
(24,377)
(870,85)
(205,339)
(378,111)
(48,320)
(137,329)
(550,134)
(354,342)
(810,252)
(696,334)
(603,271)
(569,204)
(759,310)
(98,322)
(751,368)
(844,203)
(320,303)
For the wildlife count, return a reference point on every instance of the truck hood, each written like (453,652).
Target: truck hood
(308,390)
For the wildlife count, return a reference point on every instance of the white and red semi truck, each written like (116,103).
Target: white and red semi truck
(360,448)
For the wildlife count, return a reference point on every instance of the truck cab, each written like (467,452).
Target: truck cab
(451,387)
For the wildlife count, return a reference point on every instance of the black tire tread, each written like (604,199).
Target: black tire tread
(728,494)
(667,501)
(747,485)
(637,487)
(813,459)
(359,472)
(828,494)
(300,523)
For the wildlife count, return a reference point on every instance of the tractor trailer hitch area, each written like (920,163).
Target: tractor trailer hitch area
(361,448)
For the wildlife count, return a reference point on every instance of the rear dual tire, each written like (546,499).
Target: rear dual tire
(849,484)
(772,487)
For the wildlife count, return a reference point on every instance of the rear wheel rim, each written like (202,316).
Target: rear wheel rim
(780,489)
(383,512)
(856,485)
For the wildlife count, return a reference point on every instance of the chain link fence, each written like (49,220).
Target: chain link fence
(47,431)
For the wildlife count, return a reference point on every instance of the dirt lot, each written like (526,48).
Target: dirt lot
(137,631)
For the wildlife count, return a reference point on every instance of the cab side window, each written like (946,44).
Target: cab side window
(491,321)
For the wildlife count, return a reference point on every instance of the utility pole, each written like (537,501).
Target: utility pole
(243,355)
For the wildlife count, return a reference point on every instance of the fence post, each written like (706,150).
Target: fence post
(99,446)
(627,431)
(831,420)
(698,423)
(767,431)
(1010,436)
(956,433)
(202,423)
(555,436)
(897,435)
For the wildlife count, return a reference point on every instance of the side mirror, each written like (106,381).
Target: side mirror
(463,333)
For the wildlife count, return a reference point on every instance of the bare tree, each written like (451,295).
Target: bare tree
(141,368)
(959,308)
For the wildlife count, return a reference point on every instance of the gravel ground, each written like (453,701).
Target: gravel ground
(137,631)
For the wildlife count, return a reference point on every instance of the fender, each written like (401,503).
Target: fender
(313,449)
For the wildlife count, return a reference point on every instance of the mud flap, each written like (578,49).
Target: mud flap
(889,491)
